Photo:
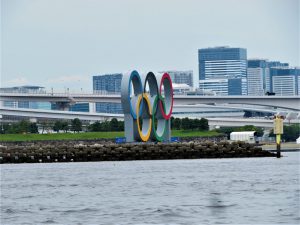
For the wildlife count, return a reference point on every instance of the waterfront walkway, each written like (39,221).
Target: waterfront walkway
(290,146)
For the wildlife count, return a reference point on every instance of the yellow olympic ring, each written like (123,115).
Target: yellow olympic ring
(146,130)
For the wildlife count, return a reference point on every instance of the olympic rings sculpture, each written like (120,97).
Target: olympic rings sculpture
(147,102)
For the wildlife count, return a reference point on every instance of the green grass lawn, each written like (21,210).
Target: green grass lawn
(93,135)
(60,136)
(194,133)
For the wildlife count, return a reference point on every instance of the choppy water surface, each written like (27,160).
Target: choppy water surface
(248,190)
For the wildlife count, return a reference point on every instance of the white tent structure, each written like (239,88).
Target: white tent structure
(298,140)
(247,136)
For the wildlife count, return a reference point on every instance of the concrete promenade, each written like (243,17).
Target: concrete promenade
(291,147)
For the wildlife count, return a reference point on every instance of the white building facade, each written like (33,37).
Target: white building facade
(285,81)
(284,85)
(216,86)
(258,77)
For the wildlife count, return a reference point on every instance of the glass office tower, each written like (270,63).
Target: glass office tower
(258,77)
(284,81)
(108,84)
(225,63)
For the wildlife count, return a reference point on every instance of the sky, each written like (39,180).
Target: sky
(61,44)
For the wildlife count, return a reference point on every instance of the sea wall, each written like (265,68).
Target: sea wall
(61,151)
(100,141)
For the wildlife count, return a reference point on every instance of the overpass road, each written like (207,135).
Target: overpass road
(285,102)
(55,114)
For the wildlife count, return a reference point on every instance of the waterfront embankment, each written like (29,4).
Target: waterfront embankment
(72,151)
(285,147)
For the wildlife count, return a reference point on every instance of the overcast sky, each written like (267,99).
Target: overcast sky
(63,43)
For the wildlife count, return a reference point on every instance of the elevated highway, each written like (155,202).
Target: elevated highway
(238,122)
(284,102)
(55,114)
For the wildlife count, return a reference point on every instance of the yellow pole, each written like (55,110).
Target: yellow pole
(278,147)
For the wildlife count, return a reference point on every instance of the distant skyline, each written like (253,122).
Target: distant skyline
(61,44)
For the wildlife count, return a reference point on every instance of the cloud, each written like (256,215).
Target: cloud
(19,81)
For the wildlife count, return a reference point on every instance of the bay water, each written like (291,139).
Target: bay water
(198,191)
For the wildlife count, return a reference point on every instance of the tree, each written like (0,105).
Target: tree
(204,124)
(23,126)
(57,126)
(290,132)
(172,121)
(195,124)
(226,130)
(121,125)
(185,123)
(10,128)
(2,129)
(176,124)
(114,126)
(65,126)
(44,125)
(259,131)
(105,126)
(33,128)
(95,127)
(76,125)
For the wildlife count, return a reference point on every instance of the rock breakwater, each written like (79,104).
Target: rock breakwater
(82,152)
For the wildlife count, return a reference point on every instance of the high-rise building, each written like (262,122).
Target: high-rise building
(221,86)
(273,64)
(214,86)
(276,64)
(181,77)
(225,63)
(284,81)
(258,76)
(108,84)
(237,86)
